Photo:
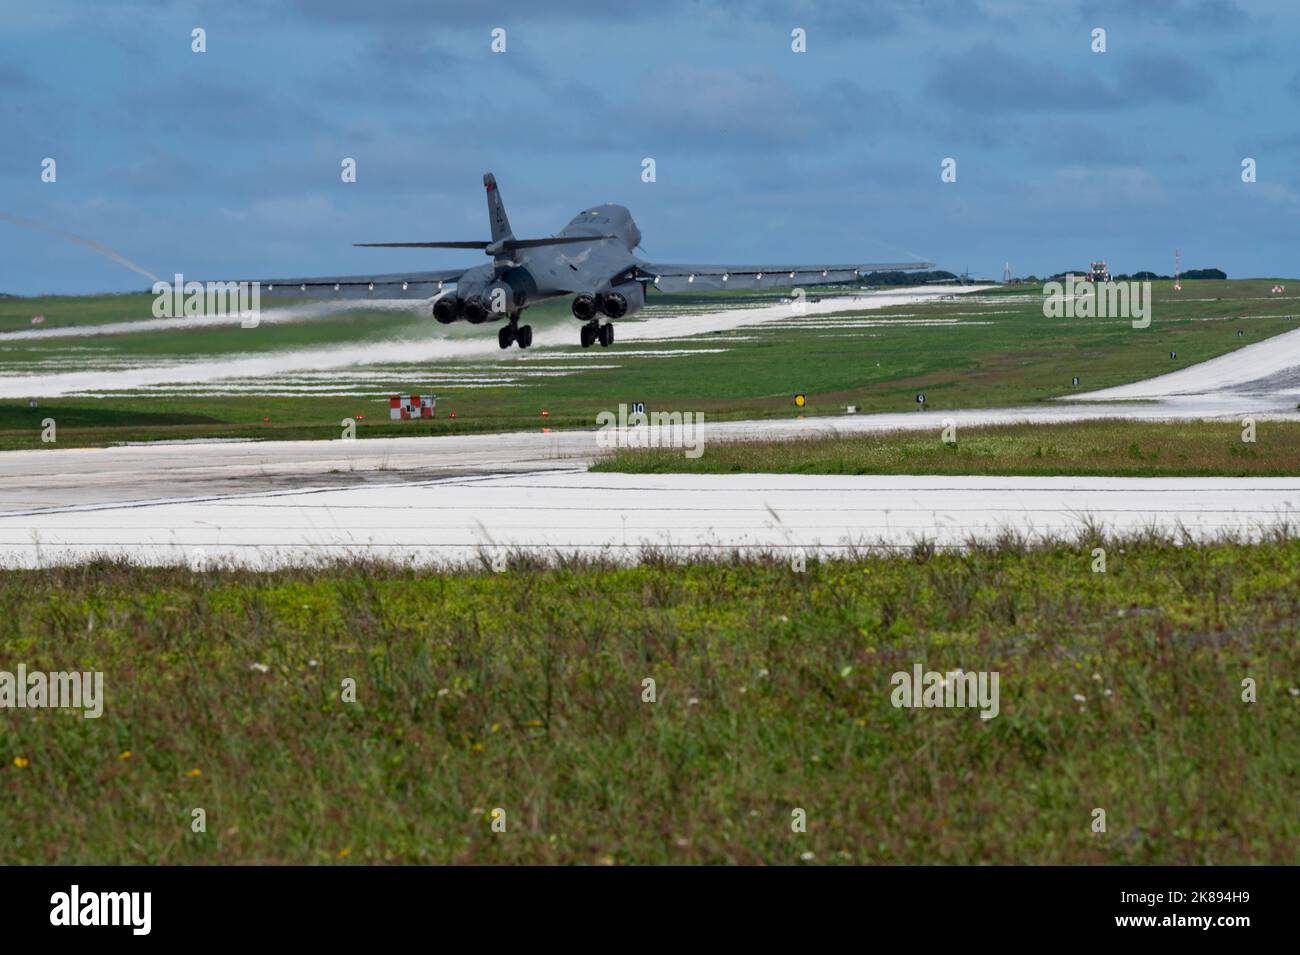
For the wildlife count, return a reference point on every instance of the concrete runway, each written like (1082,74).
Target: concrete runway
(449,499)
(1263,375)
(437,343)
(570,512)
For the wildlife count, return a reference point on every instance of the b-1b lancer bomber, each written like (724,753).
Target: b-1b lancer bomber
(591,259)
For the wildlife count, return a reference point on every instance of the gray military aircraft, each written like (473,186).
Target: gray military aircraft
(590,258)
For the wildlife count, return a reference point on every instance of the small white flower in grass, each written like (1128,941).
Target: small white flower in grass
(1097,677)
(744,689)
(807,856)
(683,843)
(1109,693)
(444,691)
(259,667)
(313,663)
(763,674)
(1293,691)
(693,701)
(1080,698)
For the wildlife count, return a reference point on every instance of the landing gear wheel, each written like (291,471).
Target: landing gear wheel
(607,334)
(506,337)
(588,334)
(524,336)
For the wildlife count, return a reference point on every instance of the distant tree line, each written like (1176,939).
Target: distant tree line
(1142,276)
(907,278)
(920,278)
(1189,274)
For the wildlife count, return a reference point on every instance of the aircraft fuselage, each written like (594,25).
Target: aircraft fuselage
(524,277)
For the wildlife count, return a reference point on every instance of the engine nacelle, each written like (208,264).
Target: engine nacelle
(475,311)
(584,307)
(447,309)
(625,299)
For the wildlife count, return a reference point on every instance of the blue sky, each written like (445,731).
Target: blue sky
(227,163)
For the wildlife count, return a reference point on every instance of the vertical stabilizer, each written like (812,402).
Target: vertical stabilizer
(496,209)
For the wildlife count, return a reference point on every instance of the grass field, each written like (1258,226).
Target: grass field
(999,350)
(523,691)
(1100,447)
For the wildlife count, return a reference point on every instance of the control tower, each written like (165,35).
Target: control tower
(1098,272)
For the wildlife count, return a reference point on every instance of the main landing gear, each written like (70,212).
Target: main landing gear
(594,332)
(514,332)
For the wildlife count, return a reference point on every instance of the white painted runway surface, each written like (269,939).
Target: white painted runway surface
(619,516)
(1263,375)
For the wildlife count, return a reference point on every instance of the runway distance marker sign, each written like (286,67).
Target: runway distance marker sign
(405,407)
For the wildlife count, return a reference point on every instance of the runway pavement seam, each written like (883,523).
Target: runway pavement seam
(236,496)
